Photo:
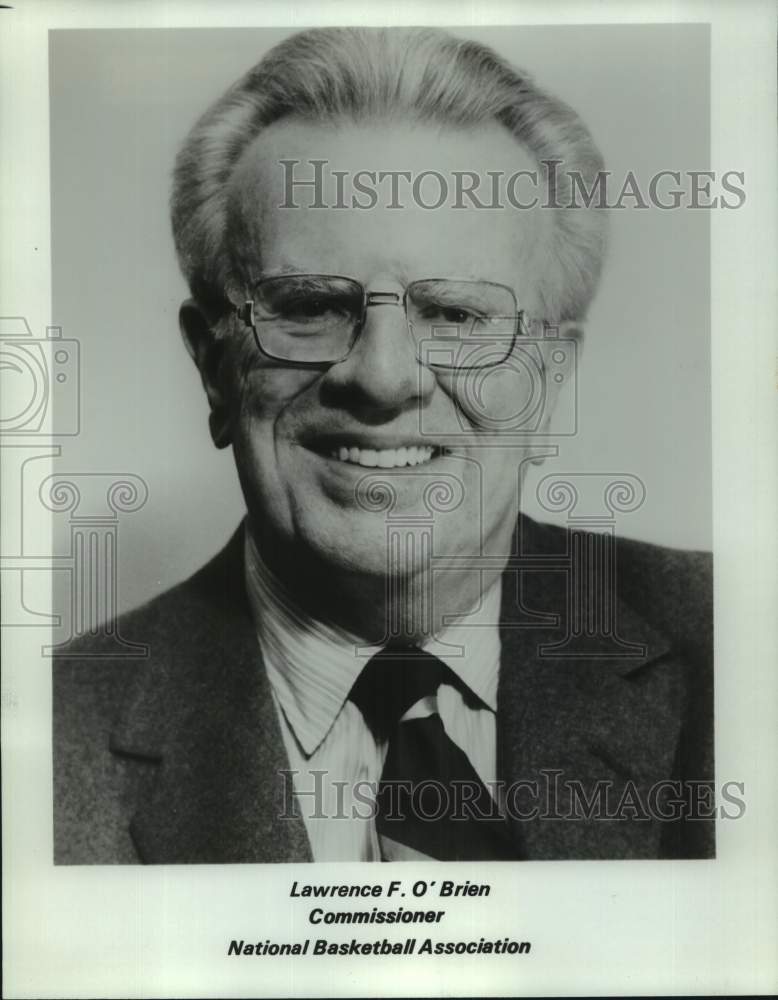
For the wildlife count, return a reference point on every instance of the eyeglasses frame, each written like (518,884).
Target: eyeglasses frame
(245,313)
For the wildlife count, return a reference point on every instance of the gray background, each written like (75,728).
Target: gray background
(122,102)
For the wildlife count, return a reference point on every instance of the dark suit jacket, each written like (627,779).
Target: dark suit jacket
(176,757)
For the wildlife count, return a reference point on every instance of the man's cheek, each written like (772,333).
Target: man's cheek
(268,391)
(498,399)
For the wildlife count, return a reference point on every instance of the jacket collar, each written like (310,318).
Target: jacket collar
(202,706)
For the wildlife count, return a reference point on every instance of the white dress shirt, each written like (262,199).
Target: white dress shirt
(312,666)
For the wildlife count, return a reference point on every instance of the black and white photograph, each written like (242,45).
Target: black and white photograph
(373,494)
(392,240)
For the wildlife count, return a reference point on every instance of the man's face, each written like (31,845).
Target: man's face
(305,439)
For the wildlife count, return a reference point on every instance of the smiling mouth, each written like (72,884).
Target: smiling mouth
(387,458)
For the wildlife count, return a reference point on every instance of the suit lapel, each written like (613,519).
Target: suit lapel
(567,723)
(203,709)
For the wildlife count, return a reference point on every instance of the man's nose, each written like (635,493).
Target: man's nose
(382,371)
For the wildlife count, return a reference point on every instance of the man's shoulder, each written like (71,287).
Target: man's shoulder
(671,588)
(174,613)
(677,582)
(92,673)
(657,567)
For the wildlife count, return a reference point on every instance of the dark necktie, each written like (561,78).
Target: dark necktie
(430,800)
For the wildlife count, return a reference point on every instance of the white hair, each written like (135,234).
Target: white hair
(357,75)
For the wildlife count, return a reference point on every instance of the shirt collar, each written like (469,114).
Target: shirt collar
(312,664)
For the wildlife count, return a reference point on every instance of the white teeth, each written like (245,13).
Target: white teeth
(385,458)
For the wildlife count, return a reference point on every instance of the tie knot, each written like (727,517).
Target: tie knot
(393,680)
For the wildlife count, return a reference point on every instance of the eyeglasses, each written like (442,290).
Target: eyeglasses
(314,320)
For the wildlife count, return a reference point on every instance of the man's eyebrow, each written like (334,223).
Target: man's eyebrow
(285,267)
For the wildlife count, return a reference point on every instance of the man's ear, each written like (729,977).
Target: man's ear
(561,357)
(207,351)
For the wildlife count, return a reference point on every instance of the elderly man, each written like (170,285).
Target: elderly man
(387,661)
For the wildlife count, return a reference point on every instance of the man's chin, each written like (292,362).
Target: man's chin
(352,546)
(365,545)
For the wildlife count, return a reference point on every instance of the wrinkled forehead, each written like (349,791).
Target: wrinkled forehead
(406,199)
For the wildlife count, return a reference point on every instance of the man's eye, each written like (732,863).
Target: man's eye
(453,315)
(309,309)
(447,314)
